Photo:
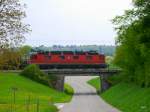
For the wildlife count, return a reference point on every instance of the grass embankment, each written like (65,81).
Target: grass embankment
(126,96)
(29,95)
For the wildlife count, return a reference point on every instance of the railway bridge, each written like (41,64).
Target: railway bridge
(61,73)
(102,73)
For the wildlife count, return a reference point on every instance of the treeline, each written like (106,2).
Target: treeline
(106,49)
(133,50)
(14,58)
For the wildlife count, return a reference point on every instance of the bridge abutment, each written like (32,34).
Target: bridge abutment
(60,83)
(104,84)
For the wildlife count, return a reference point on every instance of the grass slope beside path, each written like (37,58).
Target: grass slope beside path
(27,94)
(126,97)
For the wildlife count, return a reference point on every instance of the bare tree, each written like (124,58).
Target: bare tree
(12,27)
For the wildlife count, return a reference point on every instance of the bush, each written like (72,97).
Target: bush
(115,79)
(33,72)
(52,80)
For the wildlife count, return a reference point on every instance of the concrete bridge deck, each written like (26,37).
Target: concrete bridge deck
(74,72)
(81,72)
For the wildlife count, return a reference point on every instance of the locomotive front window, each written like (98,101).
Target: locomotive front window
(89,57)
(62,57)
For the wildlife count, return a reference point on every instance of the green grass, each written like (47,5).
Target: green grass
(95,83)
(30,90)
(126,96)
(23,108)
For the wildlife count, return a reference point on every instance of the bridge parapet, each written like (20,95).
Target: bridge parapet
(81,72)
(73,71)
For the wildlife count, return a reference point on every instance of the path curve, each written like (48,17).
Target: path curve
(85,98)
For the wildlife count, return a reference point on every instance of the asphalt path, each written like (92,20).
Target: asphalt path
(85,98)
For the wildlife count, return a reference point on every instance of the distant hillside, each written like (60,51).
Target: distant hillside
(107,50)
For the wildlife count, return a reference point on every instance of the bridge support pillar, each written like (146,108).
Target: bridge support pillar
(60,83)
(104,83)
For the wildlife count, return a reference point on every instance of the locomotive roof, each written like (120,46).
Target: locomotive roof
(69,52)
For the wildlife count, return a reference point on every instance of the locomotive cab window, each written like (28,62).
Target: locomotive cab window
(62,57)
(89,57)
(75,57)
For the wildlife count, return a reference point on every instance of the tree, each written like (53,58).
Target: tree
(12,28)
(133,42)
(25,49)
(24,53)
(10,59)
(14,58)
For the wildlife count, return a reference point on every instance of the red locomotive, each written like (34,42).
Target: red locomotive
(68,59)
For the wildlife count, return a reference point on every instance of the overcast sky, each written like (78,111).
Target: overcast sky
(73,22)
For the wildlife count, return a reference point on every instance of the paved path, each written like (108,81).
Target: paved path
(85,98)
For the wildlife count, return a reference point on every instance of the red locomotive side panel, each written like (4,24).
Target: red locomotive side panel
(68,59)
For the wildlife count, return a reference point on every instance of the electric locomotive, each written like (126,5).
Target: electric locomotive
(68,59)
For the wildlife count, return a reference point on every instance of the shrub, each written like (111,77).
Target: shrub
(52,80)
(33,72)
(115,79)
